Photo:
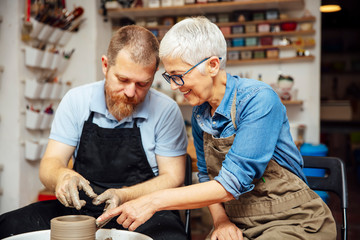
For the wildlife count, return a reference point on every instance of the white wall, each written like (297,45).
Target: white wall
(9,105)
(20,177)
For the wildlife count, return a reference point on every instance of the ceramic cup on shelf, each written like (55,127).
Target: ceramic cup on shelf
(37,27)
(33,57)
(33,150)
(47,90)
(45,33)
(33,89)
(33,119)
(47,60)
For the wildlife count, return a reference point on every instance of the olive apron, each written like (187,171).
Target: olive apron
(281,205)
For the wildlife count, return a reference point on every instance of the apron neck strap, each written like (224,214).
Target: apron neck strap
(233,111)
(91,116)
(135,123)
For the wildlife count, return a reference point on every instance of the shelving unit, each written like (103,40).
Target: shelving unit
(43,86)
(273,21)
(193,9)
(292,102)
(229,7)
(270,60)
(269,46)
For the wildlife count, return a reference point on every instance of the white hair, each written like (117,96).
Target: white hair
(192,40)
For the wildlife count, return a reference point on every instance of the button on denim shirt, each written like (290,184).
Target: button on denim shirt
(262,133)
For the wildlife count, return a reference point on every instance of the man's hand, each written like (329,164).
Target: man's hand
(112,198)
(226,230)
(67,189)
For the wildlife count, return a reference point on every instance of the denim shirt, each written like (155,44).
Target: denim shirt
(262,133)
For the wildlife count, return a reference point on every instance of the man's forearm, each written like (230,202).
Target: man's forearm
(50,170)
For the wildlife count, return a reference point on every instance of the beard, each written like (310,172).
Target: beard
(119,105)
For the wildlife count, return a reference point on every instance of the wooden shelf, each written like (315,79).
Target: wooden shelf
(201,9)
(228,7)
(273,21)
(264,34)
(264,47)
(230,24)
(292,102)
(270,60)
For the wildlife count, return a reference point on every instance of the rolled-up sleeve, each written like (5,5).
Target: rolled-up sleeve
(199,146)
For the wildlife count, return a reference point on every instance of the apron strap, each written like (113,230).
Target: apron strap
(135,123)
(233,111)
(91,116)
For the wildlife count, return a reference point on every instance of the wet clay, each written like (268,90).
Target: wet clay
(73,227)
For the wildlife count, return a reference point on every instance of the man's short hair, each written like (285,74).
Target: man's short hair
(140,42)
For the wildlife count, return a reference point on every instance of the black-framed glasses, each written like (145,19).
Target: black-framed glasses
(177,79)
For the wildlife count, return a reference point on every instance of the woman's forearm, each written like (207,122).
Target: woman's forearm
(191,197)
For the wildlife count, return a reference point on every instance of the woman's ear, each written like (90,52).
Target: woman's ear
(214,66)
(104,64)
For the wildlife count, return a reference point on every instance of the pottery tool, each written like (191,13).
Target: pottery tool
(27,25)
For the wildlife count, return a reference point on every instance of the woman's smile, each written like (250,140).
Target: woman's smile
(187,92)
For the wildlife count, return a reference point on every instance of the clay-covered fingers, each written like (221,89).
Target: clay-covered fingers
(85,186)
(61,191)
(110,197)
(62,198)
(72,189)
(103,197)
(67,190)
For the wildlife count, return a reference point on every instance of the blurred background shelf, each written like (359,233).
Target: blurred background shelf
(192,9)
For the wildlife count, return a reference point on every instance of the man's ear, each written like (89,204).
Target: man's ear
(104,64)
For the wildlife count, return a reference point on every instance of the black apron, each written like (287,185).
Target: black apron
(108,158)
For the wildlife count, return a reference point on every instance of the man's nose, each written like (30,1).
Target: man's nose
(130,90)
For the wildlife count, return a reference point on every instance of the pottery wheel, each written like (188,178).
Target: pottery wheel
(76,227)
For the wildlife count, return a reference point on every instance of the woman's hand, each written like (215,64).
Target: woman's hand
(131,214)
(226,230)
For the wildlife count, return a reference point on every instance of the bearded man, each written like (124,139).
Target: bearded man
(126,139)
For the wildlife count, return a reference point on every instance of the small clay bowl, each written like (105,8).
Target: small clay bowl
(73,227)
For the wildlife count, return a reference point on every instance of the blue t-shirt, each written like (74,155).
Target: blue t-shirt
(262,134)
(158,117)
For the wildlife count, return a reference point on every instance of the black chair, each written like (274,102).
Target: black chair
(188,181)
(334,181)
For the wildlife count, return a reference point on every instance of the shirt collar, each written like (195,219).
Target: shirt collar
(98,104)
(224,109)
